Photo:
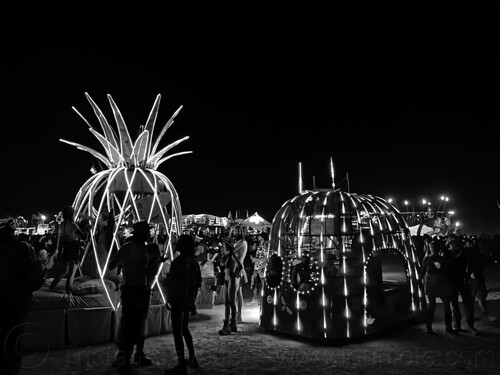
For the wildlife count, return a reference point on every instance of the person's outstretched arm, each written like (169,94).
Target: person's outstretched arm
(116,260)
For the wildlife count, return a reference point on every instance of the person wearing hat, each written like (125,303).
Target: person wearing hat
(21,273)
(134,295)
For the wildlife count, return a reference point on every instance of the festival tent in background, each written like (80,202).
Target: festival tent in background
(256,221)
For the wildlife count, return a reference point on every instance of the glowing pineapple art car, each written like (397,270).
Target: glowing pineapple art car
(130,187)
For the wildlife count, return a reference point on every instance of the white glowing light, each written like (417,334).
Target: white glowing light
(332,172)
(300,178)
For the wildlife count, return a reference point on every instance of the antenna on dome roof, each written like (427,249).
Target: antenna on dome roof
(332,173)
(300,177)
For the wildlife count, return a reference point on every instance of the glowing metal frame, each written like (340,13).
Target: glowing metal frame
(341,215)
(135,163)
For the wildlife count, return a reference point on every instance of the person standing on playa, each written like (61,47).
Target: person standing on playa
(433,272)
(475,270)
(458,275)
(135,294)
(182,284)
(232,277)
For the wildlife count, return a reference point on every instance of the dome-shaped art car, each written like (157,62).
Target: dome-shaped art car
(340,266)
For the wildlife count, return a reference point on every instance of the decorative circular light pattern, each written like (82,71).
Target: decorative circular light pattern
(348,229)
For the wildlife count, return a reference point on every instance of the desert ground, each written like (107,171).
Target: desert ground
(406,349)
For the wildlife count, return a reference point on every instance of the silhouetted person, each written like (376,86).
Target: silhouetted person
(20,274)
(475,270)
(433,272)
(135,295)
(458,261)
(182,284)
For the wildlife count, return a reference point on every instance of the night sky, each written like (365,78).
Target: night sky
(403,97)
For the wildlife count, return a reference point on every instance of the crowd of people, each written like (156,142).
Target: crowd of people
(221,256)
(226,259)
(453,267)
(233,253)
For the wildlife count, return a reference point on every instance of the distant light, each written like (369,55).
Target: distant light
(406,203)
(43,217)
(451,212)
(457,224)
(389,200)
(424,201)
(442,197)
(446,199)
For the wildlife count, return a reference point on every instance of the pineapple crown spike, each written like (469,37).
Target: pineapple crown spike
(120,149)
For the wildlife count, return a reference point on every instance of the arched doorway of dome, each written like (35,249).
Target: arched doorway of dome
(388,287)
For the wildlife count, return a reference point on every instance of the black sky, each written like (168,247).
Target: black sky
(403,97)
